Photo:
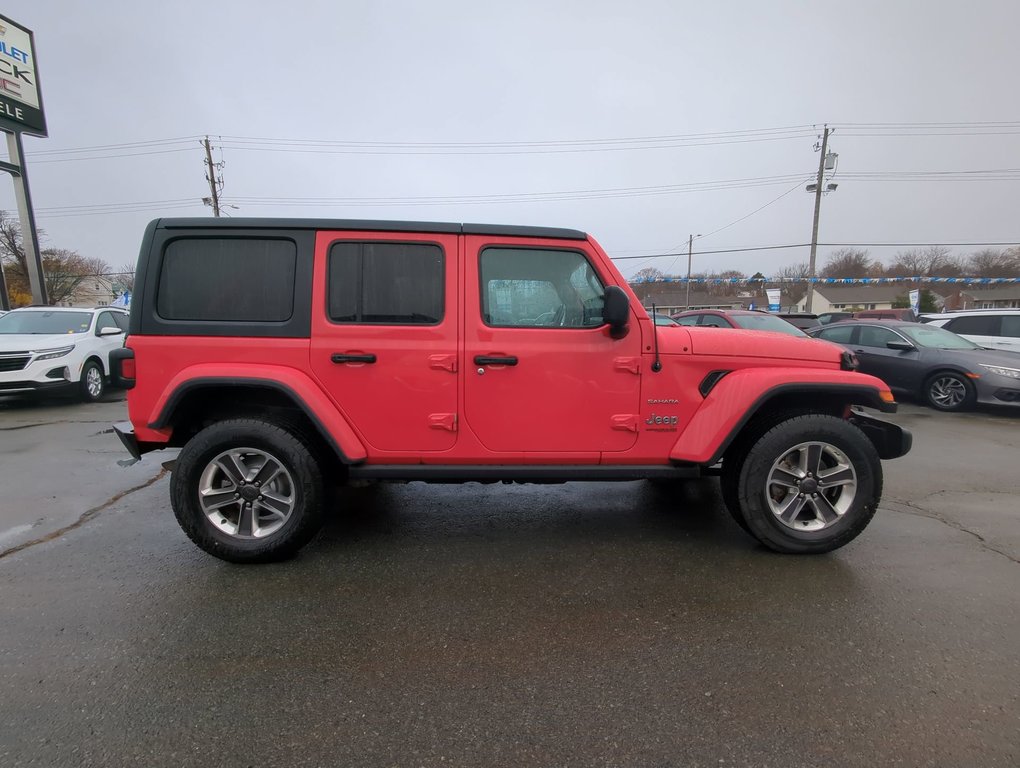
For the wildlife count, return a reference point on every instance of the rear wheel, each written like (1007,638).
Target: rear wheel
(810,484)
(247,491)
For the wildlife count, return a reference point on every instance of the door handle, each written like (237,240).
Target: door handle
(483,360)
(345,358)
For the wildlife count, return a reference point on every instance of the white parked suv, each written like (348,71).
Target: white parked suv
(59,349)
(991,328)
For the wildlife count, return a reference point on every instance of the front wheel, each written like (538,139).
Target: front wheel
(92,384)
(809,485)
(949,391)
(247,491)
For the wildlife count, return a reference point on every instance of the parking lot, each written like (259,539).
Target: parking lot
(601,624)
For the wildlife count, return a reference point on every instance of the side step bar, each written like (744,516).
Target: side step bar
(516,473)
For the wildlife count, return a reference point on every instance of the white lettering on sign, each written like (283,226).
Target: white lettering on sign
(10,111)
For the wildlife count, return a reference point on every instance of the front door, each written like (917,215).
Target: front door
(384,335)
(541,372)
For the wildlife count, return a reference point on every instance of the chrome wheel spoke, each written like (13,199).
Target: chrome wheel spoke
(835,477)
(246,521)
(791,508)
(824,510)
(217,498)
(277,504)
(814,458)
(786,478)
(268,472)
(232,467)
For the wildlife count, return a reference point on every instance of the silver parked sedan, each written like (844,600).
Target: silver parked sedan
(944,370)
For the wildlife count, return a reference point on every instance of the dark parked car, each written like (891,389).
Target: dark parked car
(944,370)
(833,317)
(802,320)
(737,318)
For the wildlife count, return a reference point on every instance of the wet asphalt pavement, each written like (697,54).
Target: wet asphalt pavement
(604,624)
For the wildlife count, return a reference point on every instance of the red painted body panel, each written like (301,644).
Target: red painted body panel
(405,402)
(165,363)
(564,393)
(727,404)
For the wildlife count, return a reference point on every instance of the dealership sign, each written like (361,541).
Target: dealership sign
(21,106)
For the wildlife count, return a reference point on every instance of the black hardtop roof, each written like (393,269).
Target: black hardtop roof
(371,225)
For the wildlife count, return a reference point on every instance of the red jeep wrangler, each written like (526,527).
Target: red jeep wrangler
(282,355)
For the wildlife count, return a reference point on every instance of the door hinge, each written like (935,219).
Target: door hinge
(625,422)
(627,364)
(443,363)
(447,421)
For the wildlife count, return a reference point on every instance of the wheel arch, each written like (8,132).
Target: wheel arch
(196,403)
(714,429)
(94,357)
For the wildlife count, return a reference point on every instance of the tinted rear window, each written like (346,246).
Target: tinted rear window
(975,325)
(248,280)
(386,283)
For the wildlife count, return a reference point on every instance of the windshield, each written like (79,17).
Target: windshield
(42,322)
(765,322)
(932,336)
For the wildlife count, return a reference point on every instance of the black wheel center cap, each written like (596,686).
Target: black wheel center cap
(808,485)
(249,492)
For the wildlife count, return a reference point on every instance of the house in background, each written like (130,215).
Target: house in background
(669,298)
(97,291)
(857,297)
(981,297)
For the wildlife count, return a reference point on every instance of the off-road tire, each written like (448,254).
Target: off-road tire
(294,454)
(752,486)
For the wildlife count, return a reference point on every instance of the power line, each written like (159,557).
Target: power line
(1005,244)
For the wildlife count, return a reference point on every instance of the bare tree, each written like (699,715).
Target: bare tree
(648,273)
(994,263)
(124,278)
(795,290)
(934,261)
(851,262)
(64,270)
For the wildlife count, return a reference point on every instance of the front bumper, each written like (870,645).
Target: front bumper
(35,387)
(890,440)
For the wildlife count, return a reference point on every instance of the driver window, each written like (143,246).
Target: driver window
(872,336)
(534,288)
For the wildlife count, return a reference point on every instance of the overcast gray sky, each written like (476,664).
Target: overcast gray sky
(466,73)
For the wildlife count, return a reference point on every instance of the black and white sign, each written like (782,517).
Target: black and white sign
(21,106)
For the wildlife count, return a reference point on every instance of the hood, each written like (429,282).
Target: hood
(30,342)
(734,342)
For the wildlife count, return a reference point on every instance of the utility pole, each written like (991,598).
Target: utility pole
(30,241)
(215,184)
(690,242)
(814,225)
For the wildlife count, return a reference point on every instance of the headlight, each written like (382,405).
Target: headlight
(50,354)
(1011,373)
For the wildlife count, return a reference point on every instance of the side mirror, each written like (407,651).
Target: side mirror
(109,330)
(616,311)
(903,346)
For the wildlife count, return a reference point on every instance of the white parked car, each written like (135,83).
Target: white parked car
(59,349)
(991,328)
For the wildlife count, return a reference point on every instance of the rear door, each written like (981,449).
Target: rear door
(384,335)
(541,373)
